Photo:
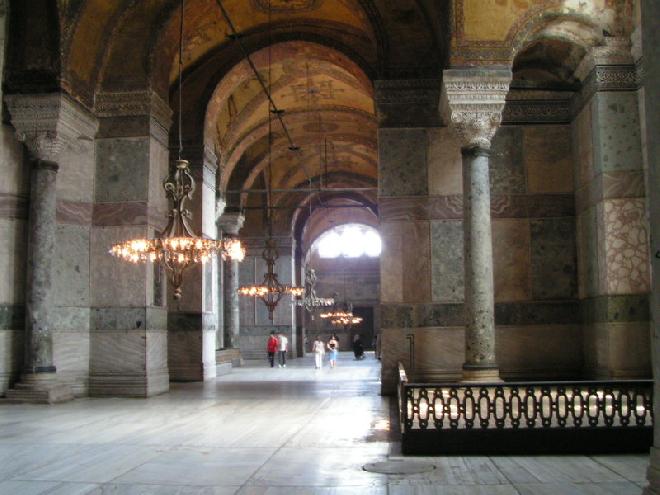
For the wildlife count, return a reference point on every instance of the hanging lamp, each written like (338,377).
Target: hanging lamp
(271,290)
(177,247)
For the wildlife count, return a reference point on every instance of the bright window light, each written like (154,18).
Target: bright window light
(350,241)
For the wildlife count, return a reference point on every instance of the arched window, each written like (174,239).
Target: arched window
(350,241)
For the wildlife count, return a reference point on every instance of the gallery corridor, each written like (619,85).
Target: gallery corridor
(261,431)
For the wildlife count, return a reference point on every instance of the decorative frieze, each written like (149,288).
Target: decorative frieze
(473,101)
(47,123)
(407,102)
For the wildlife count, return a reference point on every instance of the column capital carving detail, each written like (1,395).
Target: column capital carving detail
(473,101)
(47,123)
(231,222)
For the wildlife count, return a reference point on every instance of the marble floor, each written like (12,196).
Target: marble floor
(263,431)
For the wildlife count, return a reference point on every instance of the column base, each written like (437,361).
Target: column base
(39,388)
(478,374)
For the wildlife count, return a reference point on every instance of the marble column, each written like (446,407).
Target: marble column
(231,223)
(473,100)
(44,124)
(651,127)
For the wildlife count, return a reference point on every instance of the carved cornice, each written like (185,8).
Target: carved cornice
(537,112)
(231,222)
(47,123)
(473,101)
(137,104)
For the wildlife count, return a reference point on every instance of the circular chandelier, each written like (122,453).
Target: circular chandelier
(271,290)
(177,247)
(342,315)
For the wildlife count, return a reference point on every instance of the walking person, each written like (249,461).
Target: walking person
(283,343)
(318,348)
(333,348)
(272,346)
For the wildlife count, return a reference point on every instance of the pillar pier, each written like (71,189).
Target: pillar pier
(39,123)
(473,100)
(231,223)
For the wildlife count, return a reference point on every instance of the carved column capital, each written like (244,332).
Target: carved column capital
(473,101)
(48,123)
(231,222)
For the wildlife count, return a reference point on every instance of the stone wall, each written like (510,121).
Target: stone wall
(612,229)
(255,324)
(361,279)
(14,197)
(533,227)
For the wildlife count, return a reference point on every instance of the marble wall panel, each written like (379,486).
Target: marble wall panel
(11,355)
(416,254)
(583,146)
(391,262)
(630,349)
(193,296)
(588,254)
(626,246)
(188,356)
(623,184)
(71,358)
(511,259)
(402,162)
(121,171)
(159,160)
(444,162)
(115,282)
(619,350)
(71,318)
(71,275)
(548,159)
(13,246)
(507,171)
(539,352)
(615,308)
(553,258)
(447,277)
(75,178)
(15,171)
(128,363)
(617,142)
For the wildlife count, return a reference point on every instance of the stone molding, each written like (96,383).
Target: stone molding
(473,102)
(47,123)
(137,104)
(231,222)
(537,112)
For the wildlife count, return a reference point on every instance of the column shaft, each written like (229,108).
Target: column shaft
(41,249)
(479,299)
(232,308)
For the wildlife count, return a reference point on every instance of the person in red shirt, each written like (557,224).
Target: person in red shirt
(272,347)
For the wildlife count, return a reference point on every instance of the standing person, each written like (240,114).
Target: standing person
(333,347)
(358,348)
(271,346)
(283,343)
(318,348)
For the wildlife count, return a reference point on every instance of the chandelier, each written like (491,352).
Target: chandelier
(342,315)
(310,300)
(271,290)
(177,247)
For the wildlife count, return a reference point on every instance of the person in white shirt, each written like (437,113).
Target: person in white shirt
(283,342)
(318,348)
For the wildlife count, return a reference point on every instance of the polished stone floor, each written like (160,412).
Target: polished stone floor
(263,431)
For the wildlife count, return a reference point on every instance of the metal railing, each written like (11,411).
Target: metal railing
(614,416)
